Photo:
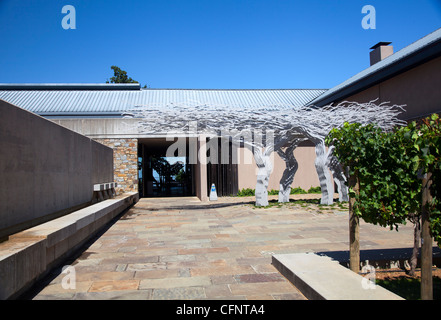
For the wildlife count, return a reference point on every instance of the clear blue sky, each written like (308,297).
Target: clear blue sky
(203,44)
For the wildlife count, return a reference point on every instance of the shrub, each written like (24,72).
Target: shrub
(315,190)
(297,190)
(246,192)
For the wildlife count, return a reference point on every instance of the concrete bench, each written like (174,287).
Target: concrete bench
(104,191)
(321,278)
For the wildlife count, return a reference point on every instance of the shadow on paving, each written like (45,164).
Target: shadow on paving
(56,270)
(197,206)
(381,257)
(220,204)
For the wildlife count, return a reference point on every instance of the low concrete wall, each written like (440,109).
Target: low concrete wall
(29,255)
(46,170)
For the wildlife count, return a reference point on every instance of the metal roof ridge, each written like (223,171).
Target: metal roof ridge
(121,86)
(195,89)
(69,86)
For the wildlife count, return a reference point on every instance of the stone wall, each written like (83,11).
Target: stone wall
(125,163)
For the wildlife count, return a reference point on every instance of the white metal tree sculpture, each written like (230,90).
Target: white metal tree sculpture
(243,127)
(316,123)
(271,129)
(287,179)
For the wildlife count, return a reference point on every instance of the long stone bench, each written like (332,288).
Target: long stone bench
(322,278)
(29,255)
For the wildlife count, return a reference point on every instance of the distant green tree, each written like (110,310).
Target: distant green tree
(120,76)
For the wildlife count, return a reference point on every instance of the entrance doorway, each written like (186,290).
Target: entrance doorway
(161,176)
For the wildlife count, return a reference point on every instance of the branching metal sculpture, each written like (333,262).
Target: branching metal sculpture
(275,128)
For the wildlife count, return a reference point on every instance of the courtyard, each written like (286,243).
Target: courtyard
(182,248)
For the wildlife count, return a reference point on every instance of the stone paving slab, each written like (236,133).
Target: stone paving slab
(180,248)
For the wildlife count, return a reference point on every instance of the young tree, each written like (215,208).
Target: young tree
(386,165)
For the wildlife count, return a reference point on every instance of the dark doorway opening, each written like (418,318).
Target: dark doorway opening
(162,176)
(222,169)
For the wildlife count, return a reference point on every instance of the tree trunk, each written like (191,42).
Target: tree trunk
(265,167)
(288,174)
(416,245)
(354,229)
(326,182)
(426,243)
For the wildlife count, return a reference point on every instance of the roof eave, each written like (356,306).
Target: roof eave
(419,57)
(69,86)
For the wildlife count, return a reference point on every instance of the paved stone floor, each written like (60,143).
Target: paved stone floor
(180,248)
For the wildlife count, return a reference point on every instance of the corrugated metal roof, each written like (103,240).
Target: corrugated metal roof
(350,84)
(99,102)
(70,86)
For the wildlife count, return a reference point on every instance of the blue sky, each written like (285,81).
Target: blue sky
(223,44)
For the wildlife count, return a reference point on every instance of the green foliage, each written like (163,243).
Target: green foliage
(297,190)
(315,190)
(428,143)
(251,192)
(386,164)
(180,176)
(246,192)
(120,76)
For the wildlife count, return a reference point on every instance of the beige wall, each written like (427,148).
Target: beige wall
(418,88)
(306,175)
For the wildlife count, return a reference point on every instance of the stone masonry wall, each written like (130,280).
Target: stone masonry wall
(125,163)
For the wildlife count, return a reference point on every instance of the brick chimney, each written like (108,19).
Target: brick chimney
(381,51)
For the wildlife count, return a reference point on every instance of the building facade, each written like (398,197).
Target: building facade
(97,111)
(409,77)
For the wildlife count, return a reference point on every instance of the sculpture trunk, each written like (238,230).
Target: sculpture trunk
(265,167)
(326,182)
(288,174)
(343,194)
(339,176)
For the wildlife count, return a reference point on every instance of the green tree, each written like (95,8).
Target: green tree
(386,164)
(120,76)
